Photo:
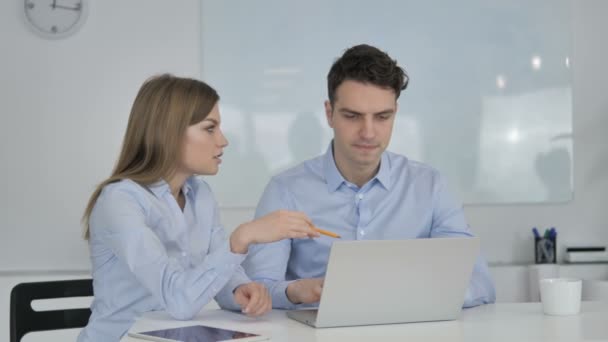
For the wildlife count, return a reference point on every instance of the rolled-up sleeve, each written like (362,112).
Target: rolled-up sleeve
(219,241)
(449,221)
(118,221)
(267,263)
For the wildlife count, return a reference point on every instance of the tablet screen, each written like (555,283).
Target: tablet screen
(198,333)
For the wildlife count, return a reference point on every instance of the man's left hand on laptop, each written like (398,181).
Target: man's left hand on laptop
(305,291)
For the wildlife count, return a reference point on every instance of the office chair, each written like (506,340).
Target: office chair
(24,319)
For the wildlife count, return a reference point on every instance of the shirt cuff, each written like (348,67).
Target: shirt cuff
(225,298)
(478,295)
(279,296)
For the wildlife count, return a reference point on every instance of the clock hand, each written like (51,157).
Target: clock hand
(54,4)
(77,8)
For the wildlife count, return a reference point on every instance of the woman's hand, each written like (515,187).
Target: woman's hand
(278,225)
(253,298)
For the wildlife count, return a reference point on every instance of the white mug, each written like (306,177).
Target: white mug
(536,273)
(561,296)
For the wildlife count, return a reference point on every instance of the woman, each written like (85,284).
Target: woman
(153,228)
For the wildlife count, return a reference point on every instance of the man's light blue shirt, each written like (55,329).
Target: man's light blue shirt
(147,254)
(405,200)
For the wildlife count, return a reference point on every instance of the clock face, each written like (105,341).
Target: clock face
(55,18)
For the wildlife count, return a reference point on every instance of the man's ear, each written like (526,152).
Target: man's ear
(329,114)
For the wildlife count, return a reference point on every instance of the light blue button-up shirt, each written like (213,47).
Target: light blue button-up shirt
(147,254)
(405,200)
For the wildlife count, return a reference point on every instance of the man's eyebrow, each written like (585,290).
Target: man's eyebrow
(347,110)
(385,111)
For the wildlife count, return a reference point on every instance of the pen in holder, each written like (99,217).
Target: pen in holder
(544,248)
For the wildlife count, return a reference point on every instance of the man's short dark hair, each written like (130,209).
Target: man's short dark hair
(367,64)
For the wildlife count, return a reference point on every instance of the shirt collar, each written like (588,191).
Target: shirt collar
(334,178)
(189,185)
(384,174)
(161,187)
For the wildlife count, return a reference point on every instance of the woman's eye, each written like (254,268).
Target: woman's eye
(210,129)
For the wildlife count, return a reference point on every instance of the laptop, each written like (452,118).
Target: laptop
(393,281)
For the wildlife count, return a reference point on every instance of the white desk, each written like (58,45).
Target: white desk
(498,322)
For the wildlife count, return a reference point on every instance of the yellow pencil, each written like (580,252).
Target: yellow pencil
(326,232)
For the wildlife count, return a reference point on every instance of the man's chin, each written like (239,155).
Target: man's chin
(365,161)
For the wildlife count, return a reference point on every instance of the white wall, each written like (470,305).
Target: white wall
(65,106)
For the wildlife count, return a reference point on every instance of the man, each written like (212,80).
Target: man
(357,189)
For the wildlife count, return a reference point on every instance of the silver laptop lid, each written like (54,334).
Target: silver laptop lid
(396,281)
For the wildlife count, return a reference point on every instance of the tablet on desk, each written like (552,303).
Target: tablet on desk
(198,333)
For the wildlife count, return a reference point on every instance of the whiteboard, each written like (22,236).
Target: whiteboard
(489,102)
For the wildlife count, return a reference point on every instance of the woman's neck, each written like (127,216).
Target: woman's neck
(176,183)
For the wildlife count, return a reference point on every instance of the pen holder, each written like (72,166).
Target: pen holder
(544,250)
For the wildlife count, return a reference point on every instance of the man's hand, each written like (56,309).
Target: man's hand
(253,298)
(305,291)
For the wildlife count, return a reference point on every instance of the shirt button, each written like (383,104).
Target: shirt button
(184,254)
(362,232)
(360,196)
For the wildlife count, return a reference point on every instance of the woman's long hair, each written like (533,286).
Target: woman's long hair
(163,108)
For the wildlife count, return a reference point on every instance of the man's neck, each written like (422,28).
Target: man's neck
(356,174)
